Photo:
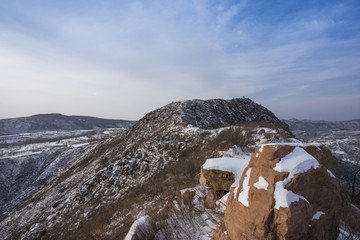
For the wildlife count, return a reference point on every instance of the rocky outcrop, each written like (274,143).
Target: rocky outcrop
(216,179)
(220,233)
(218,182)
(286,192)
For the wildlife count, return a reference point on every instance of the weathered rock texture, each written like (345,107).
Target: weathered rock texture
(315,215)
(220,233)
(219,183)
(216,179)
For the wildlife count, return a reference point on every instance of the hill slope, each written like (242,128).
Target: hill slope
(55,121)
(141,170)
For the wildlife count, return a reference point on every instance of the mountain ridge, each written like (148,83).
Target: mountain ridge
(109,183)
(57,121)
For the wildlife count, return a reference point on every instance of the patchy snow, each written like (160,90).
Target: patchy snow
(261,183)
(298,161)
(331,174)
(196,222)
(244,195)
(234,152)
(226,164)
(347,233)
(317,215)
(262,148)
(294,144)
(143,225)
(284,197)
(79,145)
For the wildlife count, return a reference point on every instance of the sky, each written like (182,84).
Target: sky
(122,59)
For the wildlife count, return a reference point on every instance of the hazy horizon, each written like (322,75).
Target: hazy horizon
(123,59)
(96,116)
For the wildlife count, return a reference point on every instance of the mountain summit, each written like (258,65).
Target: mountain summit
(210,114)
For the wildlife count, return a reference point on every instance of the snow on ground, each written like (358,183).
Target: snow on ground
(202,225)
(143,225)
(29,161)
(28,144)
(331,174)
(317,215)
(346,233)
(192,222)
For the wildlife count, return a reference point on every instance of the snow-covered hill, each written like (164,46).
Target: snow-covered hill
(28,161)
(55,122)
(140,171)
(146,172)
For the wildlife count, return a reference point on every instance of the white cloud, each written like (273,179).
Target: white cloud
(122,59)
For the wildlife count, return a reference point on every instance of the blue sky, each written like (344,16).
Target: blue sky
(122,59)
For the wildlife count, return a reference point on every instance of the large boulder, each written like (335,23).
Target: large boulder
(286,192)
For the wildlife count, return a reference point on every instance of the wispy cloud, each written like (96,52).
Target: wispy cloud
(124,58)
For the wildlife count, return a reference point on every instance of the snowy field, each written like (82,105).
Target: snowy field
(29,161)
(26,144)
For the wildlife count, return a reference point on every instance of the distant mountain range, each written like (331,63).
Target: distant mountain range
(321,125)
(56,121)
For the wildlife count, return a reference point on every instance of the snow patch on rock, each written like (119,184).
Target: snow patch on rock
(244,195)
(298,161)
(331,174)
(261,183)
(317,215)
(284,197)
